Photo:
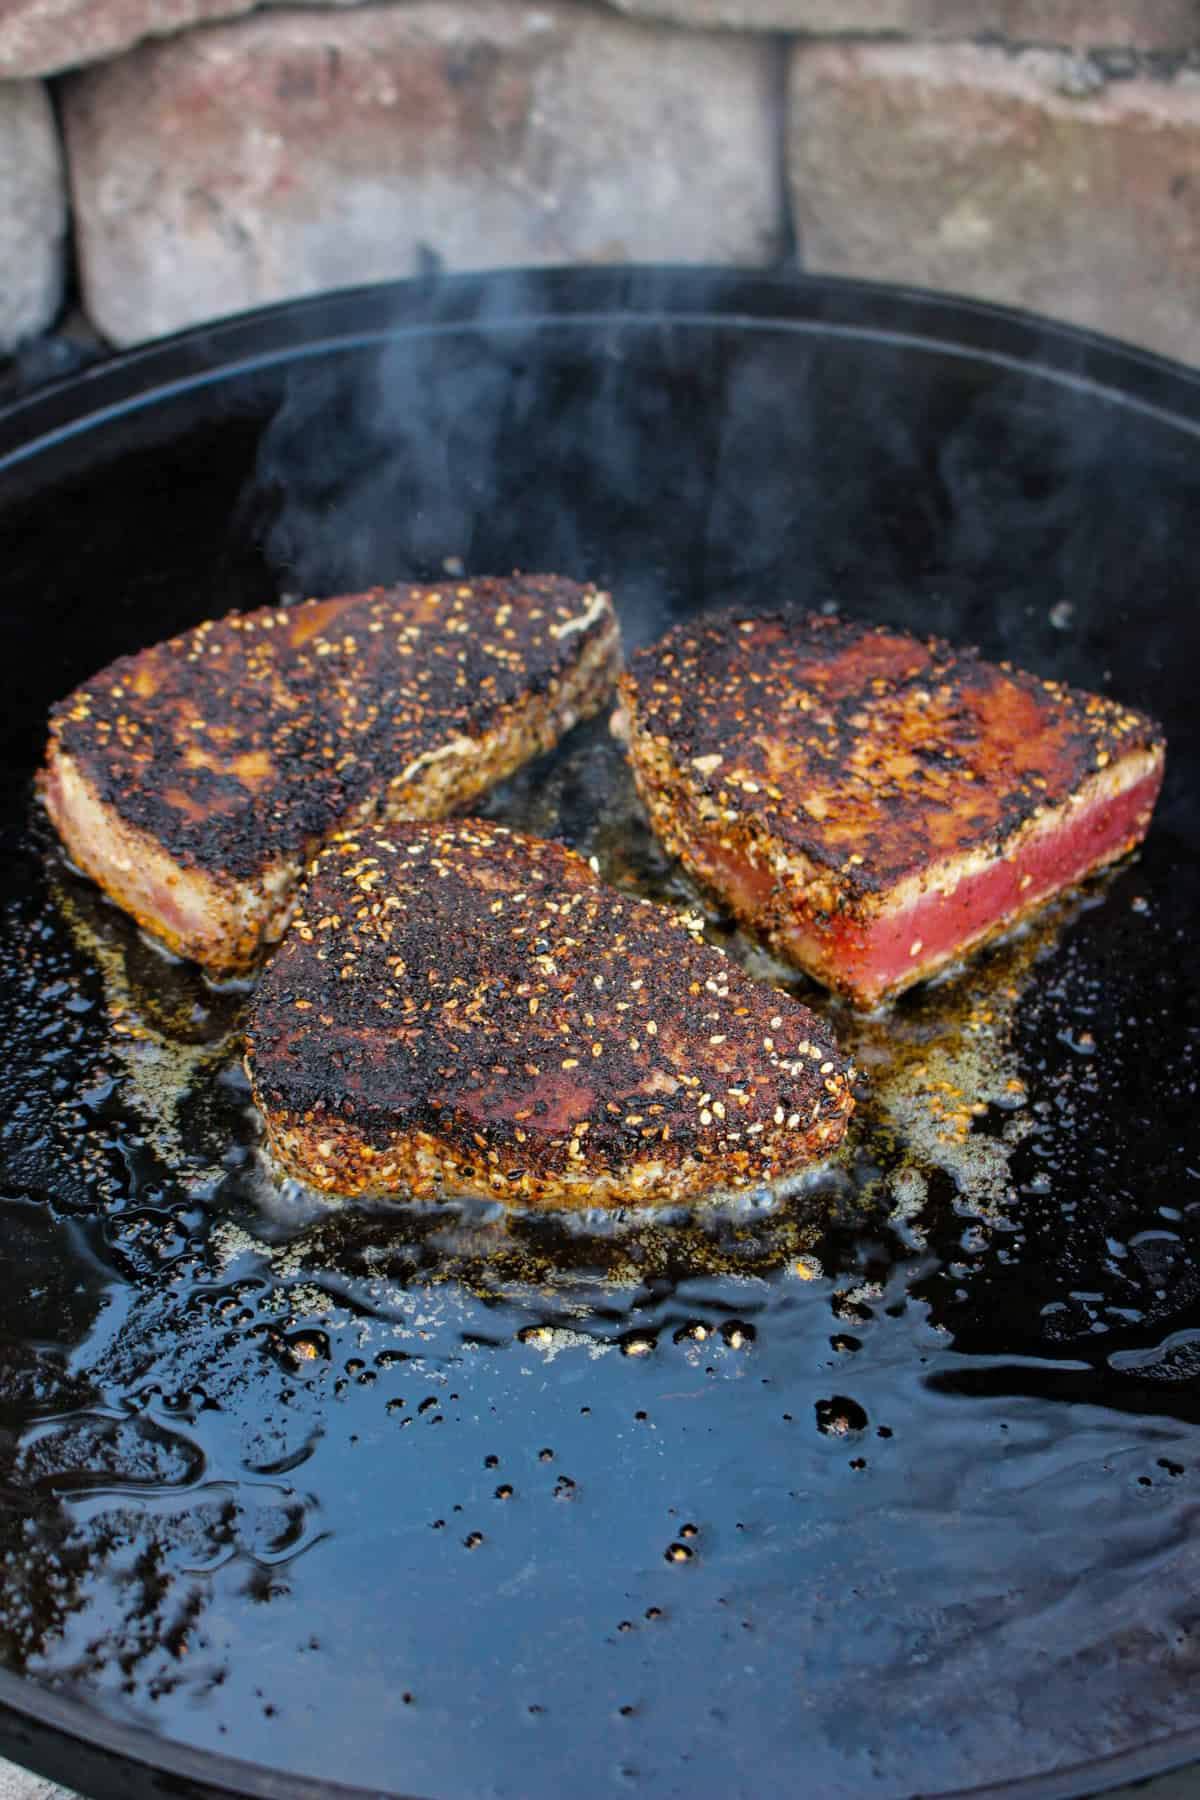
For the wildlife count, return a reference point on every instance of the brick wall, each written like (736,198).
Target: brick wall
(174,160)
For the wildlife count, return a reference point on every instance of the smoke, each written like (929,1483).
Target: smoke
(499,435)
(691,437)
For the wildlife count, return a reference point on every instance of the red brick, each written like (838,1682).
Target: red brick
(1146,25)
(41,36)
(46,36)
(292,151)
(966,169)
(33,209)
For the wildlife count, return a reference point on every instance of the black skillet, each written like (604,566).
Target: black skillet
(889,1490)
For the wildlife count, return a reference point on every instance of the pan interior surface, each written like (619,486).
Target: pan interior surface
(888,1487)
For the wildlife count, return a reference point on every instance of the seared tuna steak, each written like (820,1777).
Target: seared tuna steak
(460,1009)
(871,804)
(196,779)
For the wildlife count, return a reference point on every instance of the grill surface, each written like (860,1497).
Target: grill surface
(889,1488)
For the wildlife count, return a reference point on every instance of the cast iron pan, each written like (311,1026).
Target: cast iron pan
(889,1490)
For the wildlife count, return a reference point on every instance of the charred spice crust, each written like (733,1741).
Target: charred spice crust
(460,1003)
(258,733)
(862,749)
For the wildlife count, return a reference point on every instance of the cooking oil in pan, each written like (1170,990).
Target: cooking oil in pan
(894,1475)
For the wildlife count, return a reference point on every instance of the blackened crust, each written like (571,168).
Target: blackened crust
(867,752)
(248,739)
(461,1006)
